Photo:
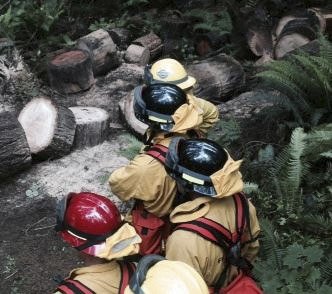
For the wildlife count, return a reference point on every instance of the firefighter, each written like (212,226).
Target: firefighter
(168,111)
(155,274)
(93,225)
(216,226)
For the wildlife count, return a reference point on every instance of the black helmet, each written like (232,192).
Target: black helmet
(191,162)
(155,104)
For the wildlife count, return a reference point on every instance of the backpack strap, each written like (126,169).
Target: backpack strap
(158,152)
(74,287)
(127,270)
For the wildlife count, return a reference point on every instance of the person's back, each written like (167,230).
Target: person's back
(212,183)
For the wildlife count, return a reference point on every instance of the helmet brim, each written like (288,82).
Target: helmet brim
(191,81)
(75,242)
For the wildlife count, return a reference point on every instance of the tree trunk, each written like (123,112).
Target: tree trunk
(71,72)
(92,126)
(152,42)
(102,51)
(135,126)
(219,78)
(49,129)
(14,149)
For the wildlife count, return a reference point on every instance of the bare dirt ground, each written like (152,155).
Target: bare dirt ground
(31,253)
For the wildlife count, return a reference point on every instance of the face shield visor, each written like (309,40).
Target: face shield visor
(153,119)
(188,180)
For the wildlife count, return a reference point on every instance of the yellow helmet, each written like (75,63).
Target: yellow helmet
(168,70)
(155,274)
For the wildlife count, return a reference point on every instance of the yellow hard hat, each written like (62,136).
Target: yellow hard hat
(165,277)
(171,71)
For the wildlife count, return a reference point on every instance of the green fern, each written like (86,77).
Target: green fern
(289,169)
(305,82)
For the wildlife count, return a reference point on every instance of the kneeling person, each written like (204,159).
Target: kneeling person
(92,224)
(216,226)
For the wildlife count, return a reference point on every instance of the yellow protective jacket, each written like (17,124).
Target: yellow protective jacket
(101,278)
(205,257)
(145,178)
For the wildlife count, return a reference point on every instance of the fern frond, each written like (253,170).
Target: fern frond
(269,245)
(289,169)
(326,269)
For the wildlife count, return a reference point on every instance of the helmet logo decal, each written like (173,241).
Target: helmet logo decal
(163,74)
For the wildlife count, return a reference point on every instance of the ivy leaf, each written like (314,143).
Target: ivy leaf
(313,254)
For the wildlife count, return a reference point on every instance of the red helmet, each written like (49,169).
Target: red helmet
(85,220)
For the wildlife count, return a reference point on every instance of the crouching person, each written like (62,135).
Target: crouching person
(216,226)
(92,224)
(168,112)
(155,274)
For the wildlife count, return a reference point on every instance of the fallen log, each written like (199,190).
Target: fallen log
(14,149)
(92,126)
(70,72)
(218,78)
(102,51)
(152,42)
(137,54)
(49,129)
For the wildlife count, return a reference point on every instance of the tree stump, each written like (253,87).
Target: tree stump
(218,78)
(137,54)
(102,51)
(92,126)
(14,149)
(71,72)
(135,126)
(49,129)
(152,42)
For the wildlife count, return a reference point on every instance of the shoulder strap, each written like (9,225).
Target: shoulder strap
(127,270)
(74,287)
(209,230)
(158,152)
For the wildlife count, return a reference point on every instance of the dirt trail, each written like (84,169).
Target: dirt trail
(31,253)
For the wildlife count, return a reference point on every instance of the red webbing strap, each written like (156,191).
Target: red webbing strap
(215,232)
(74,287)
(242,213)
(158,152)
(127,270)
(209,230)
